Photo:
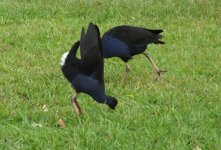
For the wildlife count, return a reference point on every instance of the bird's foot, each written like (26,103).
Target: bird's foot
(159,72)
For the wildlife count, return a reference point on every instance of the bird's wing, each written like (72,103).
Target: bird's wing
(91,53)
(82,51)
(134,37)
(132,34)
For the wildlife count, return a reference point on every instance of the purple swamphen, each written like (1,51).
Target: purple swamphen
(86,75)
(126,41)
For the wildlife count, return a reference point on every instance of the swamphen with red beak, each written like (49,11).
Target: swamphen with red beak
(86,75)
(126,41)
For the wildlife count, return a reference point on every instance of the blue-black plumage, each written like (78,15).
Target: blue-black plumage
(86,75)
(126,41)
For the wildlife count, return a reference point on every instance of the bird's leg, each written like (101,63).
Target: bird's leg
(157,70)
(75,104)
(125,73)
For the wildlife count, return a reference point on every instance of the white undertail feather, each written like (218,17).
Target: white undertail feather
(63,58)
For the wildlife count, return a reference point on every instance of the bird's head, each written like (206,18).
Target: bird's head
(111,101)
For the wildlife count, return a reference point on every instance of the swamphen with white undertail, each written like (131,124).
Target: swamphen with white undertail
(86,75)
(126,41)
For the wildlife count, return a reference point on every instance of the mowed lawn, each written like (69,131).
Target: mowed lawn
(181,111)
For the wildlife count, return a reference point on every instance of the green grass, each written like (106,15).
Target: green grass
(181,111)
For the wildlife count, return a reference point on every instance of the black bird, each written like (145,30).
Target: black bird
(126,41)
(86,75)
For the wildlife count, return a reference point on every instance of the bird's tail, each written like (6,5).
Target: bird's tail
(160,36)
(70,57)
(156,31)
(159,42)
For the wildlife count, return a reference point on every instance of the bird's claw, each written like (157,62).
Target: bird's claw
(159,72)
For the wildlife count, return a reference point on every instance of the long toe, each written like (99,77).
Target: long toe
(159,72)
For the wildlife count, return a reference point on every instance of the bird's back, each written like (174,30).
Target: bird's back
(135,38)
